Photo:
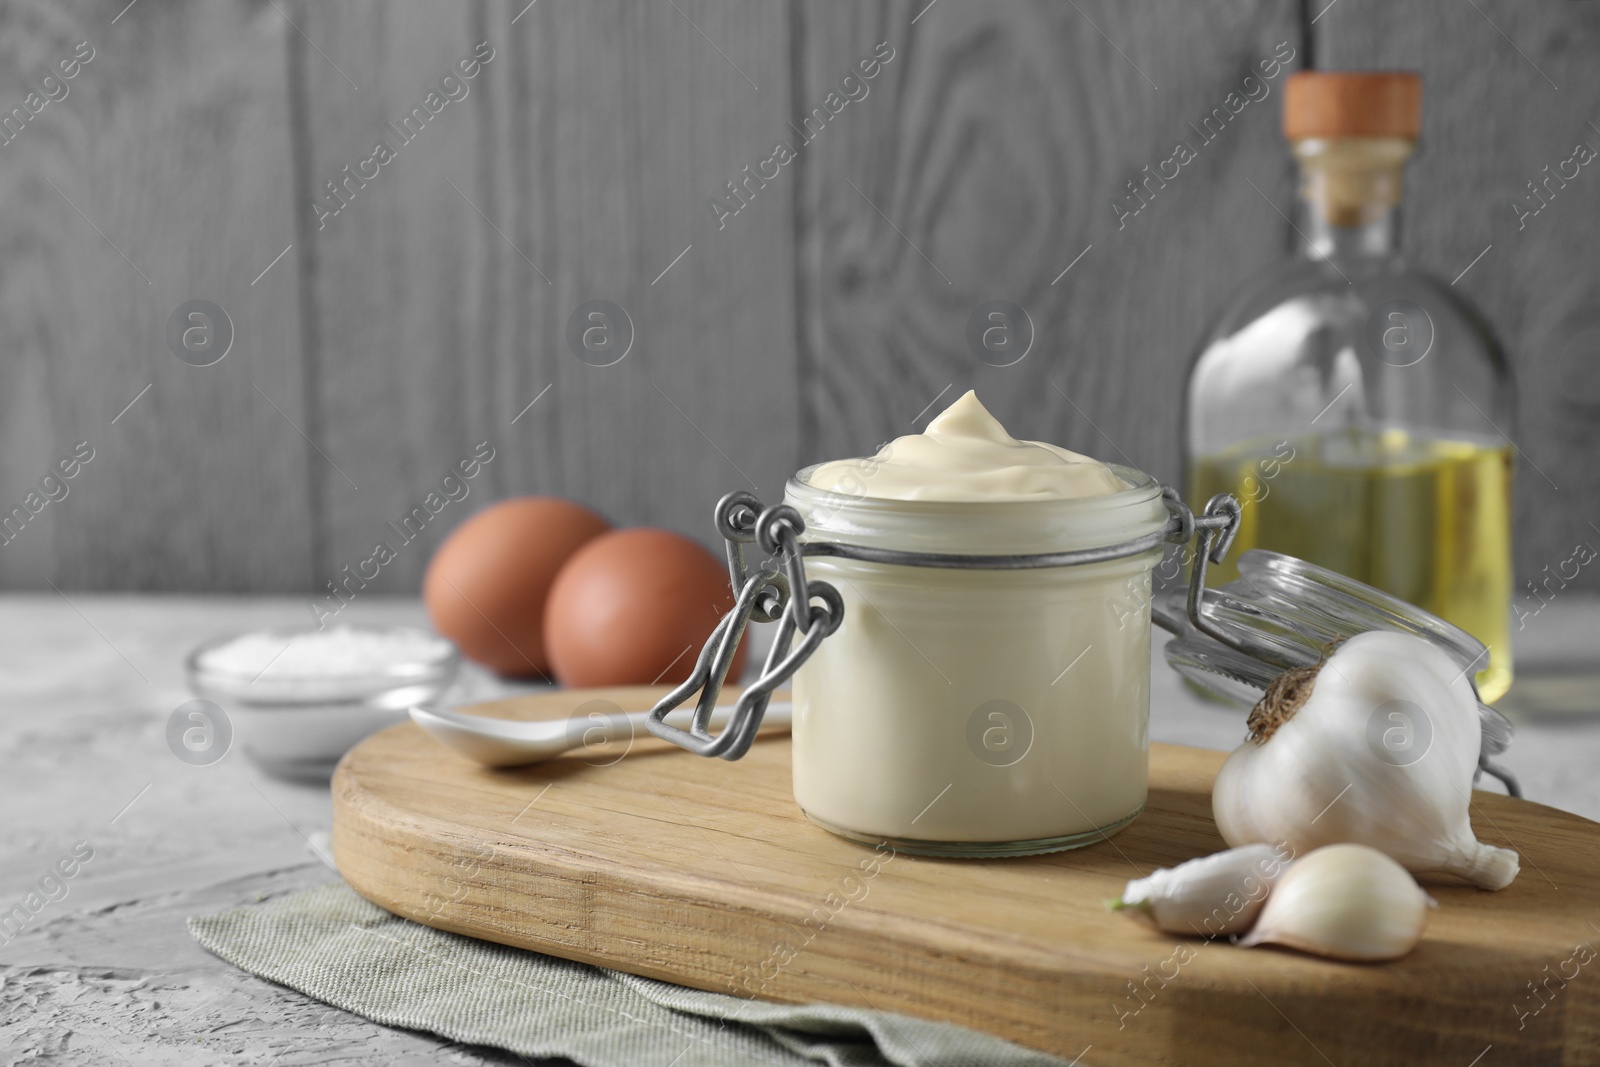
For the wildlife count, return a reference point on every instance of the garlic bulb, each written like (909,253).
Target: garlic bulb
(1347,902)
(1210,896)
(1376,745)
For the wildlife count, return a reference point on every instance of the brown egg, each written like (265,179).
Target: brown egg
(487,583)
(634,607)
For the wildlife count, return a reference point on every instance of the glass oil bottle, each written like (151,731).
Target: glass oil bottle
(1357,406)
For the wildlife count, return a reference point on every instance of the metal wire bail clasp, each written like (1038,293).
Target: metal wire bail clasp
(776,591)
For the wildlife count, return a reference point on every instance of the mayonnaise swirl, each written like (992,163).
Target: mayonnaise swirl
(966,455)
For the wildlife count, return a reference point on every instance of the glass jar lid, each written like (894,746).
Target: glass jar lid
(1283,612)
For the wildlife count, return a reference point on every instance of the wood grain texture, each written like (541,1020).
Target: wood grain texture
(578,168)
(161,177)
(587,861)
(1508,89)
(986,159)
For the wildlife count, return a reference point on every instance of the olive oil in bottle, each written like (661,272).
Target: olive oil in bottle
(1422,519)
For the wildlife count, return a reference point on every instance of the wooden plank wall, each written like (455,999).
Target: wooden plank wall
(163,175)
(990,164)
(423,318)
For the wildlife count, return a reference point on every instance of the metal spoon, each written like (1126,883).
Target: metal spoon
(513,743)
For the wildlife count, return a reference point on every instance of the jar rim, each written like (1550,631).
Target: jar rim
(1138,484)
(982,527)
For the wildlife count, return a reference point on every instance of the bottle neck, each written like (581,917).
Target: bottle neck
(1350,192)
(1378,238)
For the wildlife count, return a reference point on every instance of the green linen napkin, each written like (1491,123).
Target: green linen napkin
(332,944)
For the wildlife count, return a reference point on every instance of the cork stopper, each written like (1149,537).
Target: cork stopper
(1352,132)
(1353,181)
(1342,103)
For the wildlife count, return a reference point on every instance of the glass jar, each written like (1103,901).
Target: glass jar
(975,712)
(1356,405)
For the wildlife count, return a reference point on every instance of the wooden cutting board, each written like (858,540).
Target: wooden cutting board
(704,872)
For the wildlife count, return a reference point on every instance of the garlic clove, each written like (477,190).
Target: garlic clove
(1346,902)
(1378,745)
(1211,896)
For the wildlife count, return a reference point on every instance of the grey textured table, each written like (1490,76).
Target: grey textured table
(108,974)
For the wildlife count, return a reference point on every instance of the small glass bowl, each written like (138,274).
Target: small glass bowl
(298,725)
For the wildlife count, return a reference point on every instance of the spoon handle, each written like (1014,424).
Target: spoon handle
(510,743)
